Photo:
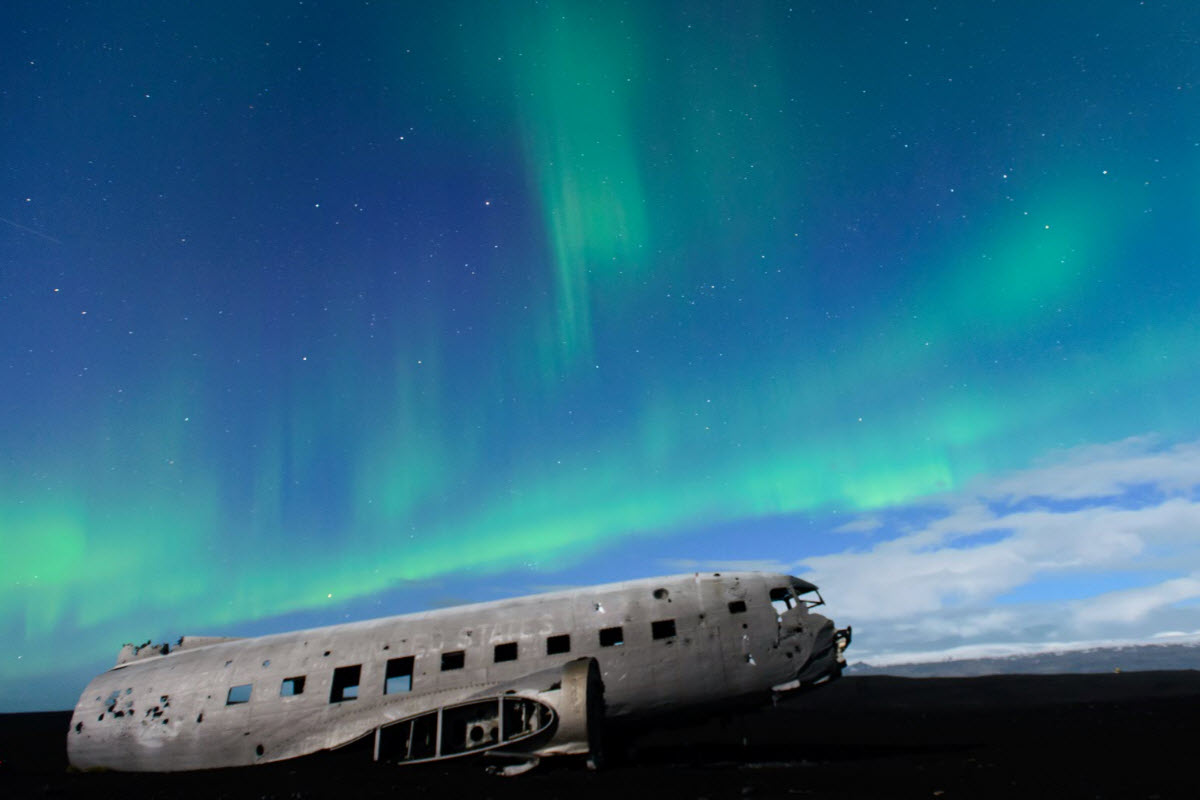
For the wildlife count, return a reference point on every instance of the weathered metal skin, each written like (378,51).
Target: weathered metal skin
(661,644)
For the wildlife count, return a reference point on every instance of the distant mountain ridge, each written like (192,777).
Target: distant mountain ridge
(1120,658)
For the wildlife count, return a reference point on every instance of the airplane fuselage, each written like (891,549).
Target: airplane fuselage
(661,644)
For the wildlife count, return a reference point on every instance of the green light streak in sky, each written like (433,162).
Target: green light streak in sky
(45,544)
(405,460)
(1031,260)
(575,95)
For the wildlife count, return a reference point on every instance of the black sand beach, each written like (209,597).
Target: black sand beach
(1070,736)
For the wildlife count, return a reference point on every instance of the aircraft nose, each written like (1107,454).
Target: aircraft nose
(824,662)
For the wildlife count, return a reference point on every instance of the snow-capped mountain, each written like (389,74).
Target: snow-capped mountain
(1060,660)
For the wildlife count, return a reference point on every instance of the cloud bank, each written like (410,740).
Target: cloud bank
(1099,543)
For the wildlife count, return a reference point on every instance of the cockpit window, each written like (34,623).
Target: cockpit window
(806,593)
(801,592)
(782,599)
(810,598)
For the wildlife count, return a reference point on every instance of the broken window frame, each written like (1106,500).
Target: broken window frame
(612,637)
(737,606)
(462,729)
(783,599)
(454,660)
(396,669)
(295,683)
(505,651)
(558,644)
(346,683)
(804,597)
(663,629)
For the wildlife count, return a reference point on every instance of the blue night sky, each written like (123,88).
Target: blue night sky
(314,311)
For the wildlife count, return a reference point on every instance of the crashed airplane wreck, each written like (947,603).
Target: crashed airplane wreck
(517,680)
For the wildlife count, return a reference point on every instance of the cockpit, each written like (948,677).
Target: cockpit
(799,592)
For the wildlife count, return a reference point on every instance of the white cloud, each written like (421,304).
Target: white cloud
(1132,605)
(1106,470)
(937,587)
(860,525)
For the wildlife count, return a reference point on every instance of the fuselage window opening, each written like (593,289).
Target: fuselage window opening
(737,607)
(398,676)
(292,686)
(506,652)
(556,645)
(238,694)
(345,683)
(663,628)
(455,659)
(612,637)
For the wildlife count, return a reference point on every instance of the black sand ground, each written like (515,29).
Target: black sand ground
(1069,736)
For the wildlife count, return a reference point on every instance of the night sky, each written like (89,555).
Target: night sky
(313,311)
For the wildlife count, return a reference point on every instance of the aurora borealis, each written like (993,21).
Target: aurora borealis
(311,310)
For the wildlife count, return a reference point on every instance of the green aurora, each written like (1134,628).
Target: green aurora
(496,290)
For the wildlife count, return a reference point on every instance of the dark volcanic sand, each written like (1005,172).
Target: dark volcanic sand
(1116,735)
